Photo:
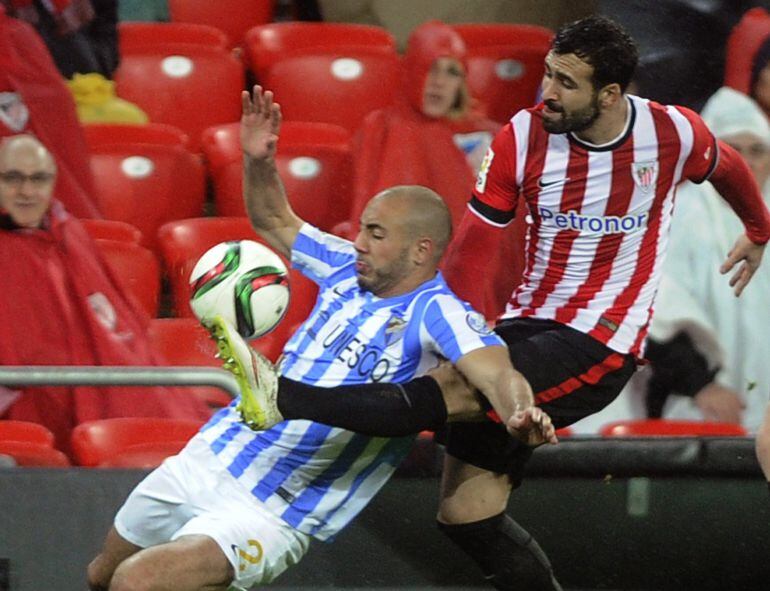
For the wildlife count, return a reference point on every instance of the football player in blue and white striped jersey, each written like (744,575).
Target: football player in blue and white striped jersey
(238,506)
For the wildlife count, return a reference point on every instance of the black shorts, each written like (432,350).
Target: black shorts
(572,376)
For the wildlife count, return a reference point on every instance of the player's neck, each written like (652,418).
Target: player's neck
(408,284)
(608,126)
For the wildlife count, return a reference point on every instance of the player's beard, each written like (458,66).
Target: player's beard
(574,121)
(384,278)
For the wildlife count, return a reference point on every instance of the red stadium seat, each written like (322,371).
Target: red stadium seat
(142,35)
(314,161)
(339,86)
(183,341)
(191,89)
(11,430)
(670,428)
(147,185)
(30,453)
(111,230)
(266,44)
(145,456)
(184,241)
(95,442)
(505,65)
(136,268)
(234,17)
(104,134)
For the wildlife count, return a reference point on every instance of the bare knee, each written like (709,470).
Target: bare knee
(471,494)
(131,576)
(115,550)
(99,574)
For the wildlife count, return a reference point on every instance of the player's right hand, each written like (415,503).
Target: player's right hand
(532,426)
(260,123)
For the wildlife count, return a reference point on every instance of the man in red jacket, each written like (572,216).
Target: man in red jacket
(61,305)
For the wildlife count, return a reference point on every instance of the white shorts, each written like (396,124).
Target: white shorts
(192,493)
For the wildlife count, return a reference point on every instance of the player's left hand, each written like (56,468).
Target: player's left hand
(532,426)
(747,255)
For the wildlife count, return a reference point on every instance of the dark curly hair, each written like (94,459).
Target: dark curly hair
(603,44)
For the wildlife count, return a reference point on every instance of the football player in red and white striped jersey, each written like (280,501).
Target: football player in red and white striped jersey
(597,169)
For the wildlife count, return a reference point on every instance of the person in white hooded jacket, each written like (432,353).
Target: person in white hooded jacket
(728,332)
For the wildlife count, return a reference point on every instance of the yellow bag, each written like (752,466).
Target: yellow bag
(96,101)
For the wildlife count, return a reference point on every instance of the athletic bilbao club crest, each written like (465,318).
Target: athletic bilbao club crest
(103,310)
(645,174)
(13,112)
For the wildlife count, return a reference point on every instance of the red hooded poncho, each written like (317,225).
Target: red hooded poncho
(743,44)
(61,305)
(35,100)
(401,146)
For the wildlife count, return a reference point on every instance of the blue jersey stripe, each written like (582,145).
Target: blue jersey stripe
(221,442)
(260,442)
(316,490)
(284,467)
(392,453)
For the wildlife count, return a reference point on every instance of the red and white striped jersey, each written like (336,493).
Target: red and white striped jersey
(598,216)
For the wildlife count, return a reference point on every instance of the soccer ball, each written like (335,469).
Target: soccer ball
(244,282)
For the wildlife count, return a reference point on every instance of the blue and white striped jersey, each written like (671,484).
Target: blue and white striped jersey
(316,477)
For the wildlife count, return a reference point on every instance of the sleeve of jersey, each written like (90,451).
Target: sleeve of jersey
(491,208)
(317,254)
(456,328)
(704,155)
(734,181)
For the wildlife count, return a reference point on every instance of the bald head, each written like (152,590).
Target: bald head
(425,215)
(27,176)
(25,146)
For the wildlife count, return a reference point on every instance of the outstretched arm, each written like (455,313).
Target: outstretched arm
(489,369)
(263,192)
(734,181)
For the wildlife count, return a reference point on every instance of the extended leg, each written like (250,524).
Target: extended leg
(472,515)
(190,563)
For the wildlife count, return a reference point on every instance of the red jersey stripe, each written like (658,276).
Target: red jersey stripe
(612,362)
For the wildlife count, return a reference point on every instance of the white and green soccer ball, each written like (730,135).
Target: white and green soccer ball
(244,282)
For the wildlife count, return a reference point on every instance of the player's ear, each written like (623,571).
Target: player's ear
(423,250)
(609,95)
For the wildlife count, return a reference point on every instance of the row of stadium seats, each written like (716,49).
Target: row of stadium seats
(146,176)
(145,442)
(325,72)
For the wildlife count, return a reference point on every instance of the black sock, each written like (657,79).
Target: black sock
(508,555)
(384,410)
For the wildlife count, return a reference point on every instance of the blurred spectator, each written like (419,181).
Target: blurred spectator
(34,99)
(747,64)
(81,35)
(61,305)
(706,344)
(431,137)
